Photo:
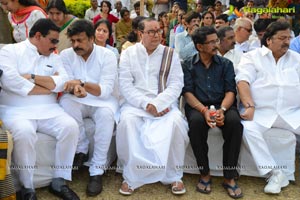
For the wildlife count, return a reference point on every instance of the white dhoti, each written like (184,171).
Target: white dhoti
(151,149)
(62,127)
(255,142)
(104,127)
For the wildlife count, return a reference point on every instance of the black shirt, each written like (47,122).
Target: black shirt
(209,85)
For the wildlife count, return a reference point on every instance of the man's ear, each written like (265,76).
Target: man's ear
(199,47)
(38,35)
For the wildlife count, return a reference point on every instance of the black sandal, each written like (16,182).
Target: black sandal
(206,184)
(233,188)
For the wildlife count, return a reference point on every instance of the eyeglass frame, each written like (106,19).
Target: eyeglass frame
(212,42)
(154,32)
(247,29)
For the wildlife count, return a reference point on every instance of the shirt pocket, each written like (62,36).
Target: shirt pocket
(290,76)
(48,70)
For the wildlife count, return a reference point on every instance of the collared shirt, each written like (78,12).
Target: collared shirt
(91,13)
(295,44)
(209,85)
(138,78)
(184,45)
(234,56)
(24,58)
(242,47)
(275,87)
(100,68)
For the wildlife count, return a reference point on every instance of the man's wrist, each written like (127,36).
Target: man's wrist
(249,105)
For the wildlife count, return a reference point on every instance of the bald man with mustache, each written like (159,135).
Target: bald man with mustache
(268,84)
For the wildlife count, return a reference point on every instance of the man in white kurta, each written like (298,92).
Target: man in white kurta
(32,76)
(269,88)
(152,133)
(94,68)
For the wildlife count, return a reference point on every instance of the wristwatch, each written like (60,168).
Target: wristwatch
(81,83)
(223,108)
(32,78)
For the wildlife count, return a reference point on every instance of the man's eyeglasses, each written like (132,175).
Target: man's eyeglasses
(54,41)
(249,30)
(212,42)
(152,33)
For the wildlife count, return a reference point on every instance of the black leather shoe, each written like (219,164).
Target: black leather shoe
(65,193)
(79,159)
(29,196)
(94,186)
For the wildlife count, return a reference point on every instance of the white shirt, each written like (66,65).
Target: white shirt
(242,47)
(23,58)
(275,87)
(138,78)
(21,29)
(100,68)
(234,56)
(115,13)
(91,13)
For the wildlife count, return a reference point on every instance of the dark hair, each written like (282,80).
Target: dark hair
(106,22)
(199,35)
(191,15)
(137,4)
(272,29)
(161,14)
(44,26)
(108,5)
(123,11)
(223,17)
(28,3)
(221,32)
(58,4)
(261,24)
(132,36)
(80,26)
(208,12)
(141,25)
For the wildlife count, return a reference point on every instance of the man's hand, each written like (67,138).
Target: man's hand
(220,118)
(26,76)
(79,91)
(248,114)
(152,110)
(70,85)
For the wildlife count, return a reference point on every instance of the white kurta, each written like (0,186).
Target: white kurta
(21,29)
(25,114)
(150,148)
(100,68)
(275,89)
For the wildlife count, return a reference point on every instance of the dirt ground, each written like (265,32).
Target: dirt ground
(252,188)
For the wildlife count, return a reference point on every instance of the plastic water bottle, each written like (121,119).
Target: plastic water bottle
(213,114)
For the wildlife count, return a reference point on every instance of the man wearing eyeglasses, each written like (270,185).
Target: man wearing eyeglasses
(152,133)
(209,80)
(268,84)
(242,30)
(32,77)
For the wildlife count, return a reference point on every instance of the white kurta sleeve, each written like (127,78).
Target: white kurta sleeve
(108,74)
(245,70)
(62,76)
(11,79)
(126,83)
(174,86)
(66,57)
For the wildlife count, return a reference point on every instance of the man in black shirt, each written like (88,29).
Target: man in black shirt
(209,79)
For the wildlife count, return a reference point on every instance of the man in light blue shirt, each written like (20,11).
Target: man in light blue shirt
(295,44)
(184,45)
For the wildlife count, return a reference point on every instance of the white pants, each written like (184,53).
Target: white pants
(255,142)
(151,149)
(104,122)
(63,128)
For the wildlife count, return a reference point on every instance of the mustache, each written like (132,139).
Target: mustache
(285,46)
(77,49)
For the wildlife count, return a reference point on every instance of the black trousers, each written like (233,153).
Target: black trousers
(232,132)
